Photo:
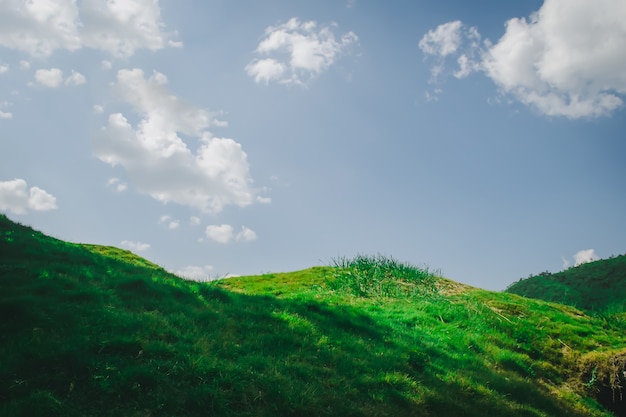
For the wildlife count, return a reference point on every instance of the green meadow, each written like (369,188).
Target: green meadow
(89,330)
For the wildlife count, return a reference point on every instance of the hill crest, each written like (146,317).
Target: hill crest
(102,333)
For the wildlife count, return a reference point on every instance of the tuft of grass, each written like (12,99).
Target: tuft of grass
(380,276)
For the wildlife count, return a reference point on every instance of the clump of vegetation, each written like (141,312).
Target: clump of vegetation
(380,276)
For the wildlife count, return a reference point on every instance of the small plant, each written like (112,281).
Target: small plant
(380,276)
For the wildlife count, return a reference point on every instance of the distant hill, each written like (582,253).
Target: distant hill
(593,286)
(87,330)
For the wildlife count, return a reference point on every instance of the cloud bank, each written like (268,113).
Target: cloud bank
(567,59)
(120,28)
(157,159)
(296,52)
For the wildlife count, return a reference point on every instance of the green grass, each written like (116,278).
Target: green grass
(96,331)
(598,286)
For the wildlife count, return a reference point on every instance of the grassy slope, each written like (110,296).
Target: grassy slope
(593,286)
(94,331)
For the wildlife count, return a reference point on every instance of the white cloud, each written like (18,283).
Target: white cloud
(194,220)
(442,41)
(75,79)
(585,256)
(265,70)
(547,63)
(222,233)
(135,246)
(39,27)
(196,273)
(298,52)
(98,109)
(51,78)
(158,161)
(122,27)
(172,224)
(117,185)
(40,200)
(4,68)
(566,263)
(6,115)
(581,257)
(450,38)
(15,197)
(246,234)
(567,59)
(24,65)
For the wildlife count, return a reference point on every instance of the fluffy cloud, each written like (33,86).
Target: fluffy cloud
(76,78)
(246,234)
(442,41)
(196,273)
(16,198)
(450,39)
(298,51)
(158,161)
(265,70)
(581,257)
(222,233)
(135,246)
(122,27)
(52,77)
(585,256)
(566,60)
(40,27)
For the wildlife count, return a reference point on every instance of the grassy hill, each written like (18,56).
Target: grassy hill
(598,286)
(96,331)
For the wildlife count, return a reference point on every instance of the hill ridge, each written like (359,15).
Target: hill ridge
(593,286)
(101,335)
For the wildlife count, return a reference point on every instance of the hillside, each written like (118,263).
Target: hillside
(97,331)
(594,286)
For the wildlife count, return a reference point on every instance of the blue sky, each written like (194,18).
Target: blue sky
(222,137)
